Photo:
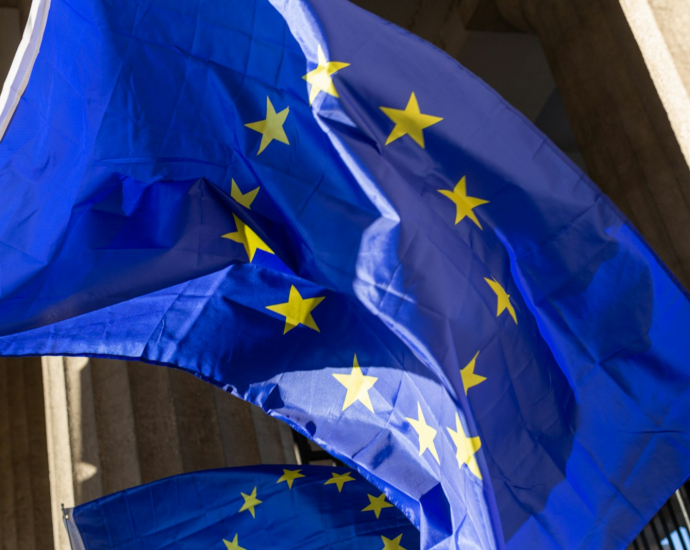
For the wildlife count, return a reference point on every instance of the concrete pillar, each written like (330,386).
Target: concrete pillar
(116,424)
(24,484)
(627,104)
(274,439)
(155,422)
(70,426)
(239,433)
(23,498)
(8,519)
(38,451)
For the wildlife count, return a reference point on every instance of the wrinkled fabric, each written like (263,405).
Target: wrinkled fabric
(117,170)
(300,508)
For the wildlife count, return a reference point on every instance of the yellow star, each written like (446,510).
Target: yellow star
(469,379)
(245,199)
(358,386)
(503,299)
(246,237)
(320,78)
(340,480)
(466,447)
(409,121)
(426,434)
(290,476)
(394,544)
(297,310)
(250,501)
(232,545)
(271,127)
(464,205)
(376,504)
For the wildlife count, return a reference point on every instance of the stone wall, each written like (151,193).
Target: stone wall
(25,517)
(115,424)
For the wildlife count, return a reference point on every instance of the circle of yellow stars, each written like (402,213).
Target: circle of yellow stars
(376,505)
(409,121)
(412,122)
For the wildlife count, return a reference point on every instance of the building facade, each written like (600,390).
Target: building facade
(607,80)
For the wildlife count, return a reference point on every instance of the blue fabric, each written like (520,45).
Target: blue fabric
(305,511)
(117,173)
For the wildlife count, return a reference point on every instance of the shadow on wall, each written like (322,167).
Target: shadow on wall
(10,35)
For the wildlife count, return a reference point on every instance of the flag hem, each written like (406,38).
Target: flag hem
(75,540)
(23,63)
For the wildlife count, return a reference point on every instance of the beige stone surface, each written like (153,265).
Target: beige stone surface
(155,422)
(661,28)
(58,444)
(197,423)
(38,451)
(239,436)
(274,439)
(673,20)
(73,460)
(82,429)
(116,424)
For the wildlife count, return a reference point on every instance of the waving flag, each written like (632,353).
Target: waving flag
(253,508)
(326,216)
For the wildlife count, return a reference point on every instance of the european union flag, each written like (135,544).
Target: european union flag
(326,216)
(253,508)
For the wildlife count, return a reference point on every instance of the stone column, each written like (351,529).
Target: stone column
(115,424)
(621,67)
(24,484)
(8,521)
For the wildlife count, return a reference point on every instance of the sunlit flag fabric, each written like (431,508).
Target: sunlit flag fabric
(251,508)
(328,217)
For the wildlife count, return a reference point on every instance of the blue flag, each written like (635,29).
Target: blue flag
(252,508)
(328,217)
